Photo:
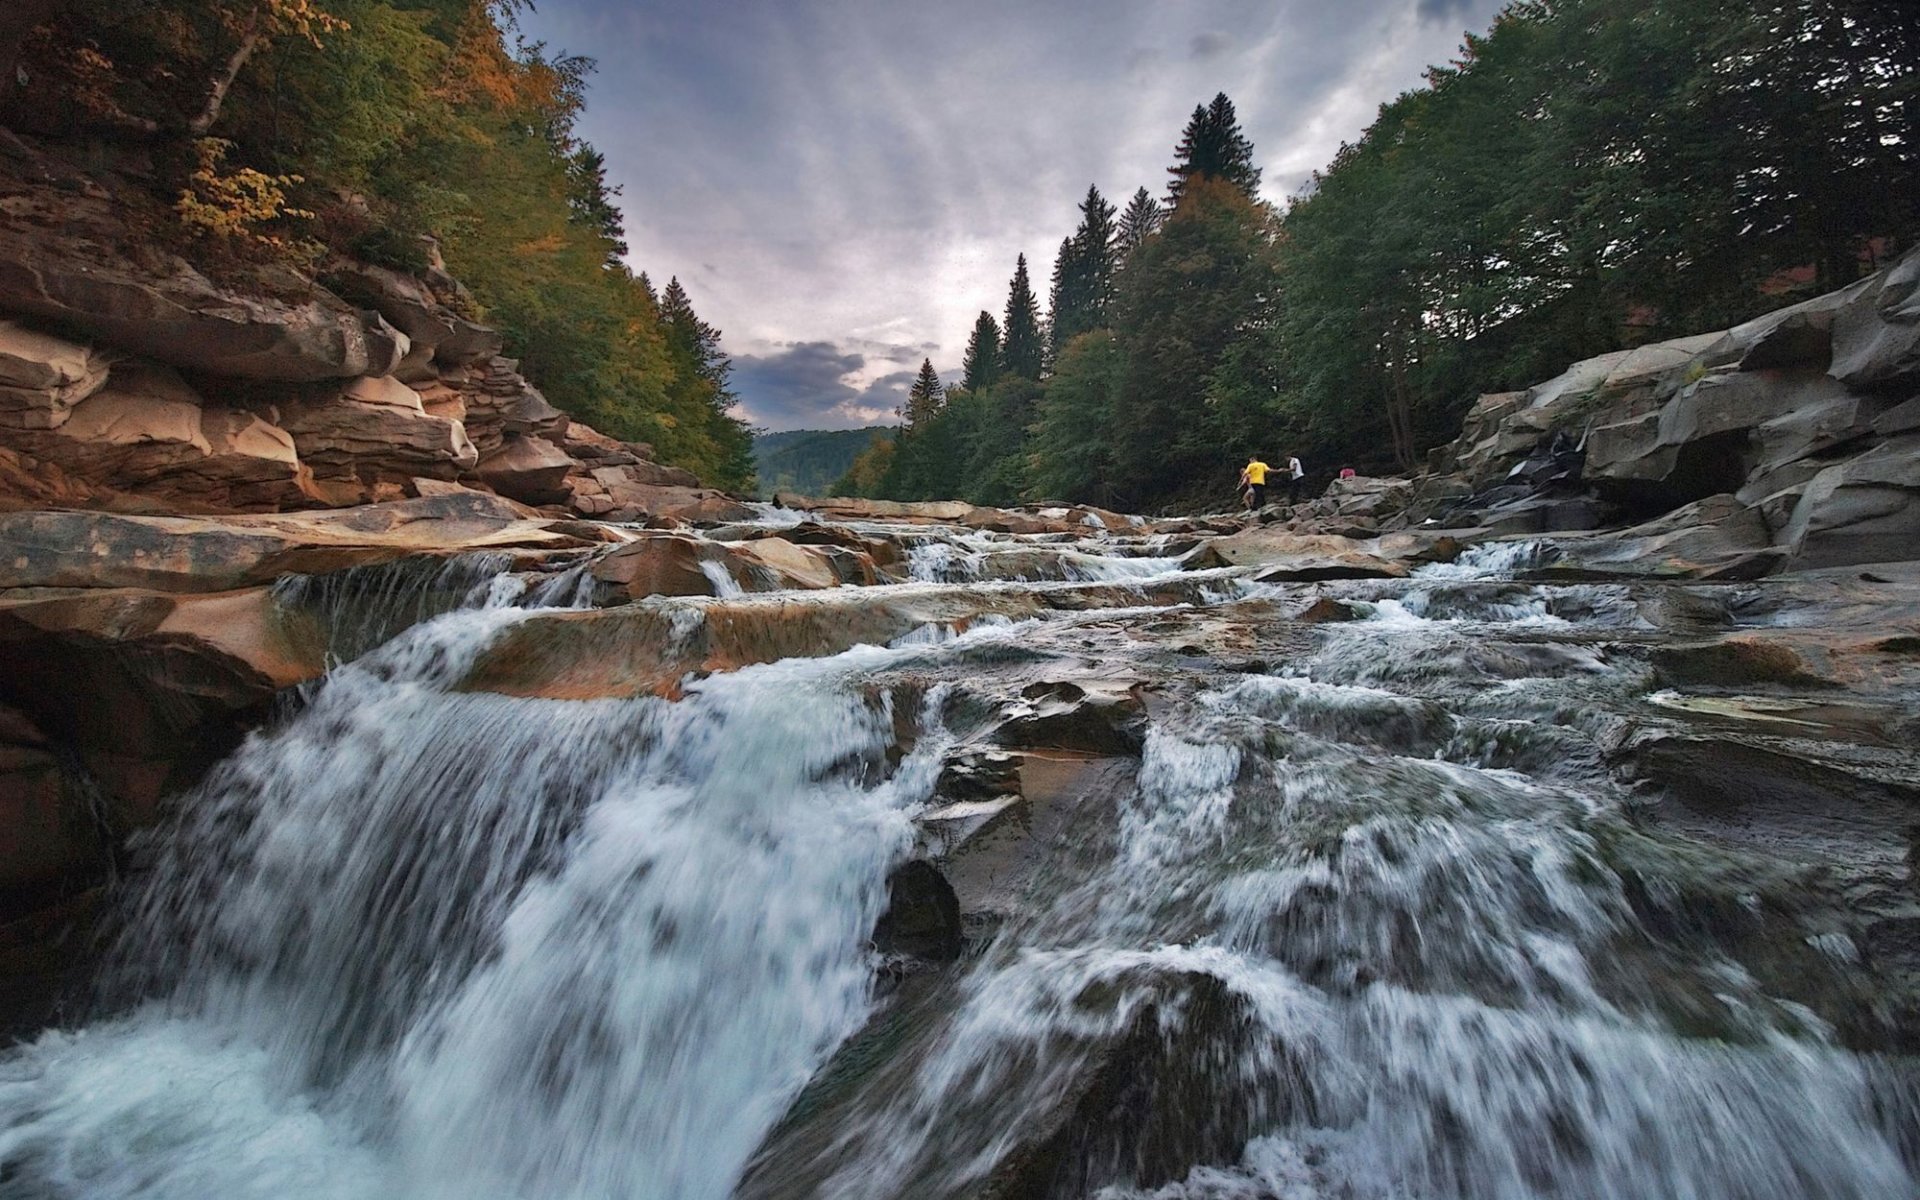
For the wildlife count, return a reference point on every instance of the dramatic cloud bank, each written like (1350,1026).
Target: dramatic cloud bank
(842,186)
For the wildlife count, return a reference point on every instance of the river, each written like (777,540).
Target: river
(1355,910)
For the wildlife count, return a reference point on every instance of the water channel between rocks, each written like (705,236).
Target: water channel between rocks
(1453,886)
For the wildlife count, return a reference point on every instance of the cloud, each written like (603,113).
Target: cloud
(1211,44)
(856,179)
(817,385)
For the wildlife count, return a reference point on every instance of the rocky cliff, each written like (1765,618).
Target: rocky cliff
(1789,442)
(130,380)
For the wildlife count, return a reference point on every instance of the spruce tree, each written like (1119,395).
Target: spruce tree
(1022,348)
(924,398)
(1212,147)
(1137,223)
(981,366)
(1083,276)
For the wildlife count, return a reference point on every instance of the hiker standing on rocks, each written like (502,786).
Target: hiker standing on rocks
(1296,475)
(1253,482)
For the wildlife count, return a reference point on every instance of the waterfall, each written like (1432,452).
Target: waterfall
(419,942)
(1367,916)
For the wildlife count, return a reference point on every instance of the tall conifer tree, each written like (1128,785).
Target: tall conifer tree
(981,366)
(924,399)
(1022,347)
(1137,223)
(1083,276)
(1212,147)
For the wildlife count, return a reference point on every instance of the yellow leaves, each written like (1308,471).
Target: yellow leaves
(551,243)
(233,206)
(303,18)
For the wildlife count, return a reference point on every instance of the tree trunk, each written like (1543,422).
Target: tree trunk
(223,82)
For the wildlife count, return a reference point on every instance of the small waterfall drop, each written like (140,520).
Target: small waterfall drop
(428,943)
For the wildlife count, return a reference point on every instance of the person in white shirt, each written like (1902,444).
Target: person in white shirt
(1296,475)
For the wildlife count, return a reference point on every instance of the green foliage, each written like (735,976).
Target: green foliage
(807,462)
(1070,451)
(1212,147)
(981,366)
(1202,287)
(924,398)
(405,118)
(866,475)
(1022,348)
(1083,275)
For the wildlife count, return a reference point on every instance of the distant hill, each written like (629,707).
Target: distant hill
(807,460)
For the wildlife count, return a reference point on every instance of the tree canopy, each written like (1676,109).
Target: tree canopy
(287,133)
(1585,175)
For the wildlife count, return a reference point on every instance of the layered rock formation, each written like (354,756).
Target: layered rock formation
(1790,441)
(131,381)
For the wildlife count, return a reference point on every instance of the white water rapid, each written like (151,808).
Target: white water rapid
(1344,911)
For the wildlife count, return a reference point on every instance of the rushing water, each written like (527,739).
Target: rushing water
(1370,924)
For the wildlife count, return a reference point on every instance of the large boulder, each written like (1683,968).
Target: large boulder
(377,427)
(1715,538)
(1296,557)
(1876,335)
(146,689)
(529,469)
(843,508)
(42,377)
(657,564)
(1866,509)
(778,564)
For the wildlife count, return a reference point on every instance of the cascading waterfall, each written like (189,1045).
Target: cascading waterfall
(425,943)
(1369,921)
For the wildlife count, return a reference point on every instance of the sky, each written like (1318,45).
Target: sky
(843,185)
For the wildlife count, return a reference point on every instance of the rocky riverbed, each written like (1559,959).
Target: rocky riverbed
(876,854)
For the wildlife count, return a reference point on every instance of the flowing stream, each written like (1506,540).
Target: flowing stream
(1368,920)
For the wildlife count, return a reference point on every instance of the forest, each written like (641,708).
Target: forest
(273,138)
(1587,175)
(807,461)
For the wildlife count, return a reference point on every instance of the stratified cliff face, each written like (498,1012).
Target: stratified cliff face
(131,381)
(1789,442)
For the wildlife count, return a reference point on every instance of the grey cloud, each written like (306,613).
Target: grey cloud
(804,386)
(847,203)
(1210,44)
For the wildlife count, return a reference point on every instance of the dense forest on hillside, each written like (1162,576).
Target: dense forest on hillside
(807,461)
(273,136)
(1588,174)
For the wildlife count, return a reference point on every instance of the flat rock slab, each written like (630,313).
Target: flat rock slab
(206,554)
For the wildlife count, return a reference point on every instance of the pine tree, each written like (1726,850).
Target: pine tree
(924,398)
(698,424)
(1212,147)
(981,366)
(1022,348)
(1083,275)
(1142,218)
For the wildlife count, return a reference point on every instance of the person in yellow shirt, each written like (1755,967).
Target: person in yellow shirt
(1253,482)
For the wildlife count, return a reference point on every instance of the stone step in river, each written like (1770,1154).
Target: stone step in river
(1028,866)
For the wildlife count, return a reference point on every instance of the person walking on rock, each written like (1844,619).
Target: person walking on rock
(1296,476)
(1253,482)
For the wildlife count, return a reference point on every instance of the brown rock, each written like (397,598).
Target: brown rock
(529,469)
(377,427)
(42,377)
(61,260)
(657,564)
(201,554)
